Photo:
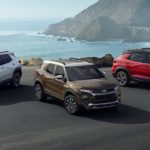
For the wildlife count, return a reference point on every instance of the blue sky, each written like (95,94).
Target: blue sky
(42,8)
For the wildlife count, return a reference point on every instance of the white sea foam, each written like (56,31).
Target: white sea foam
(63,38)
(15,33)
(35,33)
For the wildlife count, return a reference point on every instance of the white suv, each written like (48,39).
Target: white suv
(10,69)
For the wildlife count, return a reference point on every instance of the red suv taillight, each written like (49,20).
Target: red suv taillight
(114,65)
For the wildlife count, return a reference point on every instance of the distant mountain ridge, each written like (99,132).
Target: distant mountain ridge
(106,19)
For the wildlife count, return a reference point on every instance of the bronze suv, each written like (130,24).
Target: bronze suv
(78,84)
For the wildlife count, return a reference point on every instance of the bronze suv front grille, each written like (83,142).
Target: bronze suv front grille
(104,98)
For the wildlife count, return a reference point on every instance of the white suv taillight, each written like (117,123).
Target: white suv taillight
(19,61)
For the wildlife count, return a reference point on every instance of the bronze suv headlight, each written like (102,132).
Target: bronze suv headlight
(85,94)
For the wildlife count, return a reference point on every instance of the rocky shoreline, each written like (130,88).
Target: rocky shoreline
(105,61)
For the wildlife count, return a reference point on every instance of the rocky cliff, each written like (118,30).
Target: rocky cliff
(103,28)
(107,19)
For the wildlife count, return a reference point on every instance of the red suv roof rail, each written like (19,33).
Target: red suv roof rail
(142,50)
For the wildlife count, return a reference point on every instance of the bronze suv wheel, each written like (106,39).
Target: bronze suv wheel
(71,105)
(39,92)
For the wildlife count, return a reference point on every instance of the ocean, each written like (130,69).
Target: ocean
(22,37)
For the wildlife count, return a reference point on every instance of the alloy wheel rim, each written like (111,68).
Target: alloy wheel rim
(122,78)
(17,80)
(71,105)
(38,91)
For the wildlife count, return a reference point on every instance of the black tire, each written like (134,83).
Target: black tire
(16,79)
(122,78)
(39,92)
(71,105)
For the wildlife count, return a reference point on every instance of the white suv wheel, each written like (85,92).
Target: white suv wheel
(16,79)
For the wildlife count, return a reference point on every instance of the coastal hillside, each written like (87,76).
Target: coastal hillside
(103,28)
(90,23)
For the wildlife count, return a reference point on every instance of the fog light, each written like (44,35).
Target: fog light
(84,96)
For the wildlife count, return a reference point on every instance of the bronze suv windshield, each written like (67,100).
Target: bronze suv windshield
(83,73)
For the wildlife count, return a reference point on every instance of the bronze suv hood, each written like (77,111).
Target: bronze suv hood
(94,85)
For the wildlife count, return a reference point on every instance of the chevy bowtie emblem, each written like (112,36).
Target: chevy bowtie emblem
(104,91)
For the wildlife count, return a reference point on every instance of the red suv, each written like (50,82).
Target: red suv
(132,65)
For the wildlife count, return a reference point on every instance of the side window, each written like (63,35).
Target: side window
(1,61)
(137,57)
(59,71)
(147,58)
(4,59)
(50,68)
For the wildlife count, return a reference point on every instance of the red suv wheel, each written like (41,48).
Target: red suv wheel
(122,78)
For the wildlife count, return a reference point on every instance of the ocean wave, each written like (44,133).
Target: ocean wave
(104,42)
(63,39)
(35,33)
(20,33)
